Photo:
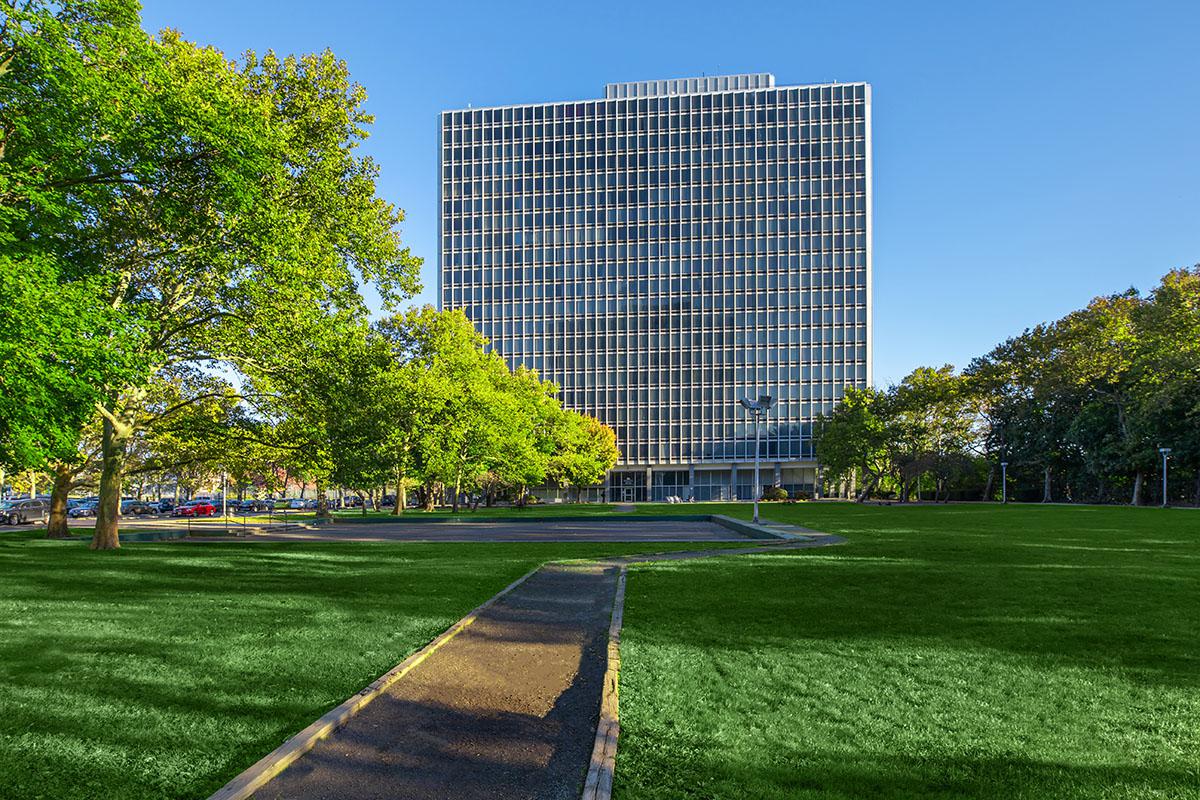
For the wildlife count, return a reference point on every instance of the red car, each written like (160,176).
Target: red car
(195,508)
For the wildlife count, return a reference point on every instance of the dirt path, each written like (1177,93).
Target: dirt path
(506,709)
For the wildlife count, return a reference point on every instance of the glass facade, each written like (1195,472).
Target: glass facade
(666,250)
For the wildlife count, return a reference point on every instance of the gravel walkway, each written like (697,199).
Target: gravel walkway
(507,709)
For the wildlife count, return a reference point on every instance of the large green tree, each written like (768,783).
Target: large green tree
(238,220)
(70,74)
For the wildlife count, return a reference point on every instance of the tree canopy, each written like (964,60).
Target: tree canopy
(1078,408)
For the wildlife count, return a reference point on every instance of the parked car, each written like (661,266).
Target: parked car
(195,508)
(84,508)
(134,507)
(165,505)
(20,512)
(247,506)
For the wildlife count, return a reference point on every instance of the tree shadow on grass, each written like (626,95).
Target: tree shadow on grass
(1141,616)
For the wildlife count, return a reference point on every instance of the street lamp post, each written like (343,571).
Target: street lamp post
(1166,451)
(758,409)
(1003,483)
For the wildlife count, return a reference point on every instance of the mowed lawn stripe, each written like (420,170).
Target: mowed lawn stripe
(943,652)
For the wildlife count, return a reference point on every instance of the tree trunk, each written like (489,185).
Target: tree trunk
(1046,495)
(867,488)
(457,488)
(56,525)
(398,506)
(428,497)
(113,441)
(991,481)
(1136,500)
(322,503)
(1196,493)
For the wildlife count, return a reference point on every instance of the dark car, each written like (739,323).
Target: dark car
(84,508)
(247,506)
(195,508)
(134,507)
(165,505)
(20,512)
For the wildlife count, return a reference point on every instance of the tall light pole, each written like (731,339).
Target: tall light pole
(1003,483)
(758,409)
(1166,451)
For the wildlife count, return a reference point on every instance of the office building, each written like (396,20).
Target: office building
(666,250)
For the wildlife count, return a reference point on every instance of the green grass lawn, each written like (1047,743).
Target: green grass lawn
(958,651)
(163,670)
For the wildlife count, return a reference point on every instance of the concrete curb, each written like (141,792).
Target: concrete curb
(598,784)
(750,529)
(251,780)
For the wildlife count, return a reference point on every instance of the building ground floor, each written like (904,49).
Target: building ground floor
(702,482)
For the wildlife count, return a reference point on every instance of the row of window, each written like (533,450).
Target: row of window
(816,265)
(740,204)
(676,149)
(634,454)
(587,214)
(527,190)
(816,270)
(665,177)
(687,248)
(676,294)
(551,230)
(791,117)
(635,367)
(764,318)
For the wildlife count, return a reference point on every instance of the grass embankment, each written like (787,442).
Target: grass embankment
(961,651)
(163,670)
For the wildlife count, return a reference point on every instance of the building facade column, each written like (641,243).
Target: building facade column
(778,474)
(691,482)
(649,484)
(733,482)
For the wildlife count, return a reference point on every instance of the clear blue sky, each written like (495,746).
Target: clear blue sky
(1028,155)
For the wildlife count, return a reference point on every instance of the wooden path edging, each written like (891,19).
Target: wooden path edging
(251,780)
(598,784)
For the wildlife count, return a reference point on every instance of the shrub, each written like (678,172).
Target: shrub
(774,493)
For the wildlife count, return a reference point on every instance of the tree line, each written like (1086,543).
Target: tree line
(1077,408)
(185,240)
